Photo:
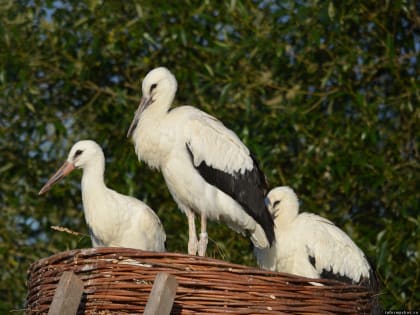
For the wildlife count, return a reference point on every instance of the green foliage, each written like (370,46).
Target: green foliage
(325,93)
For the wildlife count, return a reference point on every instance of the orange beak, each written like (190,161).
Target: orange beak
(63,171)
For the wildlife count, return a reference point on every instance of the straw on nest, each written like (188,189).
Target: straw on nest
(119,280)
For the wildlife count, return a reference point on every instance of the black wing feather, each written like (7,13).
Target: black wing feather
(330,274)
(248,189)
(371,282)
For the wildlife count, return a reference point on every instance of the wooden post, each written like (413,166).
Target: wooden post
(67,295)
(162,296)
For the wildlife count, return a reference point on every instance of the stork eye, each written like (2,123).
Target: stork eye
(77,153)
(152,87)
(276,203)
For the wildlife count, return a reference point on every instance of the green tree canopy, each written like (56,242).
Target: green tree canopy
(325,93)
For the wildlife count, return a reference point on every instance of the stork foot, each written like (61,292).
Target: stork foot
(202,244)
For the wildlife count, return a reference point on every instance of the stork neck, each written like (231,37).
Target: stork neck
(93,178)
(161,104)
(157,111)
(162,107)
(288,212)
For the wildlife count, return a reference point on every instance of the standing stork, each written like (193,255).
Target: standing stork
(207,169)
(114,219)
(311,246)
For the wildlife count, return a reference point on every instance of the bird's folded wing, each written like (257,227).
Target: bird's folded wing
(209,141)
(333,250)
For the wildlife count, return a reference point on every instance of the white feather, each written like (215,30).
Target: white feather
(210,141)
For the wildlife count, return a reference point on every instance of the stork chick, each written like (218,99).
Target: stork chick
(114,220)
(311,246)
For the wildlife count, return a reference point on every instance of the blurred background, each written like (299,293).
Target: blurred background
(325,93)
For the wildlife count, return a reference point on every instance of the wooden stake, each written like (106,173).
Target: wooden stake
(162,296)
(67,295)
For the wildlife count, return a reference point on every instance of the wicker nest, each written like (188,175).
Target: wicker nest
(119,280)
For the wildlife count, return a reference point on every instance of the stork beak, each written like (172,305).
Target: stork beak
(144,103)
(63,171)
(267,202)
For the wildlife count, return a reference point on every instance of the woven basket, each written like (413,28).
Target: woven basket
(119,281)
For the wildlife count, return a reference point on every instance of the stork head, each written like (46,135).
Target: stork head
(83,154)
(282,203)
(159,88)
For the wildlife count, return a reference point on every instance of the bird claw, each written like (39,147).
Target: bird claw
(202,244)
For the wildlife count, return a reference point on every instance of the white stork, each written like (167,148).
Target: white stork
(114,219)
(311,246)
(207,169)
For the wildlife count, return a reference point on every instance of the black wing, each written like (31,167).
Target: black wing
(248,189)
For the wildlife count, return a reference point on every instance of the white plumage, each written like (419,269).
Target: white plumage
(114,219)
(311,246)
(207,169)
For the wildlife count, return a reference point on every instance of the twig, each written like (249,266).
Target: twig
(67,230)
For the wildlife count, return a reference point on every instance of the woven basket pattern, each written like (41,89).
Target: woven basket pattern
(119,281)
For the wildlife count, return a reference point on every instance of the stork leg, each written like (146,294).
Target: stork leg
(192,234)
(204,238)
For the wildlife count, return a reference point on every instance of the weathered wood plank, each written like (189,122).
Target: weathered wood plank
(67,295)
(162,296)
